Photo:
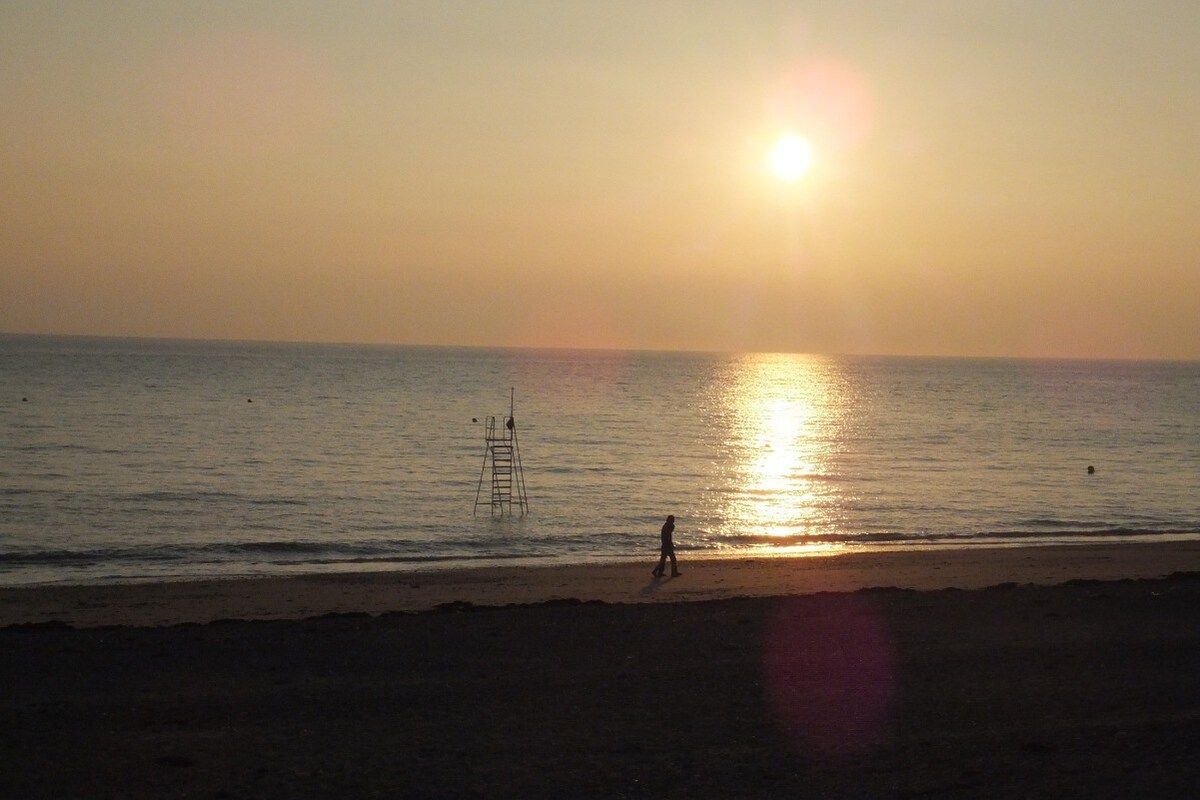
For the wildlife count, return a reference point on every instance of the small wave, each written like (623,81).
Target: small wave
(543,470)
(201,552)
(205,496)
(1084,533)
(932,537)
(1046,523)
(162,496)
(432,559)
(87,557)
(293,547)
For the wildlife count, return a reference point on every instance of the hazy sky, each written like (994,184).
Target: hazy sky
(990,178)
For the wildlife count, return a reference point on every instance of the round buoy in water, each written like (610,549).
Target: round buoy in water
(1091,470)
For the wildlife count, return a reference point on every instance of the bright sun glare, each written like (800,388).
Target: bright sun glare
(790,158)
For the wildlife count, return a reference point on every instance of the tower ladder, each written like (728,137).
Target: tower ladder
(503,454)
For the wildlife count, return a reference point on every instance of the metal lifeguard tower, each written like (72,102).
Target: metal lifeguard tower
(504,455)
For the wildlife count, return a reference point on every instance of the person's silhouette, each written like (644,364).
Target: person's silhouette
(668,549)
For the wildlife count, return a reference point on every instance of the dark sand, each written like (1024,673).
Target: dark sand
(1035,688)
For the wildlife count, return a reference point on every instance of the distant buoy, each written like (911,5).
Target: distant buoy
(473,419)
(248,400)
(24,399)
(1091,470)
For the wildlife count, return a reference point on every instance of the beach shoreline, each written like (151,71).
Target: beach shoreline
(1063,672)
(161,603)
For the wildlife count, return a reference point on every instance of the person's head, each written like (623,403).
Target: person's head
(670,517)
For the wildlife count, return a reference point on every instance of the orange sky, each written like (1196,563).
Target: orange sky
(988,179)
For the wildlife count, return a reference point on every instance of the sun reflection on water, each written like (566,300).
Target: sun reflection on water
(782,417)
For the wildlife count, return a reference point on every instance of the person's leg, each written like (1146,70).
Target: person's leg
(674,566)
(662,565)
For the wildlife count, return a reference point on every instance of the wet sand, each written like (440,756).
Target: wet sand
(986,673)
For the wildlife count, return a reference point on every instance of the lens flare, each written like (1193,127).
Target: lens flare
(829,99)
(829,673)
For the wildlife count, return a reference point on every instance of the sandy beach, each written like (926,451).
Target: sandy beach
(298,597)
(1010,672)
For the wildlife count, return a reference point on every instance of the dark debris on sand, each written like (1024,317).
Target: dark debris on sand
(1085,690)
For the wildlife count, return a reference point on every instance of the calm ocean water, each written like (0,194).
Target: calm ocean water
(129,459)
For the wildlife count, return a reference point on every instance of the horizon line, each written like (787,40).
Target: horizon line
(592,349)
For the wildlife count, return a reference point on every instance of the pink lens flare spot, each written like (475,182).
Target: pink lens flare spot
(828,99)
(828,665)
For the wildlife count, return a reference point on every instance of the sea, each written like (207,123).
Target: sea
(138,459)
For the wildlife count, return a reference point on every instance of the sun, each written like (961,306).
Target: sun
(790,158)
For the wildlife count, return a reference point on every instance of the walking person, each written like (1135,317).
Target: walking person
(668,549)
